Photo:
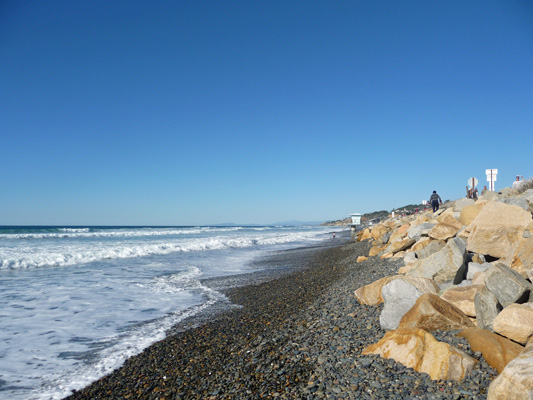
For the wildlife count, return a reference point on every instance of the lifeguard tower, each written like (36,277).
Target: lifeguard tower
(356,221)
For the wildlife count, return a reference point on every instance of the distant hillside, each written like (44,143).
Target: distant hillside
(383,214)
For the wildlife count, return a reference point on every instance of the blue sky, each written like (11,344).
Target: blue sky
(204,112)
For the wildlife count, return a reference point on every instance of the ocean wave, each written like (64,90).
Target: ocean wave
(173,283)
(57,256)
(126,232)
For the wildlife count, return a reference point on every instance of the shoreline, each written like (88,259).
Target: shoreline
(297,336)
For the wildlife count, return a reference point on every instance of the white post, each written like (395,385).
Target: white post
(491,177)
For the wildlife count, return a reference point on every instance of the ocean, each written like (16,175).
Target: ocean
(76,302)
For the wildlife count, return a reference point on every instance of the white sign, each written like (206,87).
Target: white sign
(491,177)
(473,182)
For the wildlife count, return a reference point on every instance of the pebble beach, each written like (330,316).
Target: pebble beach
(295,332)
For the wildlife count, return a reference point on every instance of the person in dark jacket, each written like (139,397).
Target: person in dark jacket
(435,200)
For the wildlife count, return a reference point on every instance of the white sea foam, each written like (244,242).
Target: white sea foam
(80,252)
(119,232)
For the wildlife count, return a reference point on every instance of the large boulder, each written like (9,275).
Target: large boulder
(418,349)
(421,243)
(522,203)
(374,251)
(427,247)
(523,259)
(507,285)
(399,233)
(462,203)
(443,265)
(469,213)
(417,231)
(474,268)
(430,312)
(515,322)
(487,308)
(447,227)
(463,298)
(478,278)
(399,295)
(371,294)
(515,382)
(400,245)
(378,231)
(365,235)
(497,229)
(497,351)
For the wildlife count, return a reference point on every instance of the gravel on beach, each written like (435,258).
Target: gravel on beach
(295,336)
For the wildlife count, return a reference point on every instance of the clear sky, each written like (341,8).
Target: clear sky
(203,112)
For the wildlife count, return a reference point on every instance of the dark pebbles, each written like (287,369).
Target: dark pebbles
(298,336)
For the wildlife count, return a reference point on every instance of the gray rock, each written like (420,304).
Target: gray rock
(487,308)
(507,192)
(474,268)
(443,265)
(416,232)
(522,203)
(507,285)
(430,249)
(398,297)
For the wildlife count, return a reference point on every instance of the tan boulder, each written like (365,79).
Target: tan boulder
(523,258)
(400,254)
(449,219)
(479,278)
(371,294)
(463,298)
(447,227)
(365,235)
(430,312)
(443,231)
(445,213)
(421,243)
(496,350)
(361,258)
(374,251)
(386,255)
(403,229)
(469,213)
(515,322)
(515,382)
(400,245)
(395,236)
(418,349)
(497,230)
(378,231)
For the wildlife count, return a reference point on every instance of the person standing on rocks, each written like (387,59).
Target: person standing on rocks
(517,183)
(435,200)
